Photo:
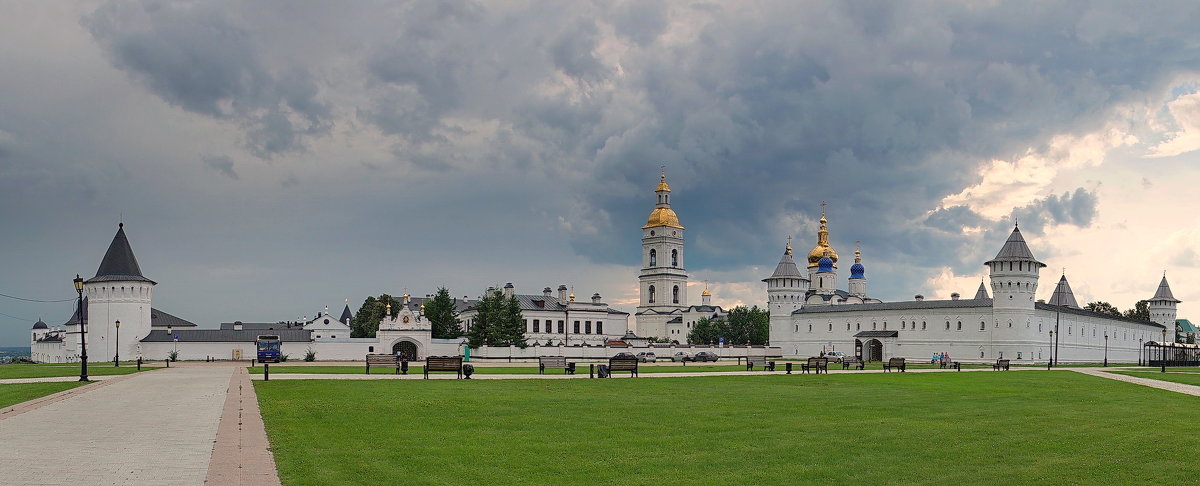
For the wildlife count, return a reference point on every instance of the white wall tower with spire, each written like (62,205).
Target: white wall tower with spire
(858,274)
(1014,276)
(785,291)
(1162,307)
(118,292)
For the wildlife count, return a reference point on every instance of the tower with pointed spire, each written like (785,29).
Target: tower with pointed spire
(118,292)
(1062,294)
(786,288)
(1014,275)
(1162,307)
(663,279)
(858,274)
(822,250)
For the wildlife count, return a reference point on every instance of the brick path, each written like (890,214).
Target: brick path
(151,428)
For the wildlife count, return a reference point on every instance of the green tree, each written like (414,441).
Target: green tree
(366,320)
(747,326)
(1103,308)
(487,319)
(512,329)
(442,317)
(1140,311)
(705,331)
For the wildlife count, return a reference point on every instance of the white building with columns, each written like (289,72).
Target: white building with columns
(809,316)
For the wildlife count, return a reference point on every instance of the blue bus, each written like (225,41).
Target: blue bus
(268,348)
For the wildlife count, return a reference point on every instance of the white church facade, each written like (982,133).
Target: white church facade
(809,317)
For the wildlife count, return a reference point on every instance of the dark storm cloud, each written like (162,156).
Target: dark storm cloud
(222,164)
(197,57)
(1074,208)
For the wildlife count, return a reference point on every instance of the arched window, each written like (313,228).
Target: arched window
(675,294)
(922,325)
(830,326)
(982,325)
(873,326)
(959,326)
(674,258)
(653,257)
(947,325)
(651,292)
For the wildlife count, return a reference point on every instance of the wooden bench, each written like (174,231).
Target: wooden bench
(1000,364)
(443,363)
(847,363)
(946,363)
(555,362)
(623,364)
(387,360)
(815,365)
(894,364)
(760,362)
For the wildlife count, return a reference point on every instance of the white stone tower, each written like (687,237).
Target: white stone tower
(118,292)
(785,292)
(1014,275)
(663,280)
(1162,308)
(858,275)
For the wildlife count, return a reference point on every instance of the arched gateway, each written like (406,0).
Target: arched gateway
(407,349)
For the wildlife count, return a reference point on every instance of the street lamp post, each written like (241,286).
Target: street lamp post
(1050,362)
(1055,355)
(1164,351)
(83,376)
(1105,349)
(117,357)
(1141,351)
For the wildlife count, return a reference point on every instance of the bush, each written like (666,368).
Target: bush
(310,356)
(173,356)
(283,357)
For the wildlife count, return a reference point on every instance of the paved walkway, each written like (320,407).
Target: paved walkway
(1150,382)
(155,427)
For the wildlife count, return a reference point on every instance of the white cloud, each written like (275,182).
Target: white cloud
(1185,112)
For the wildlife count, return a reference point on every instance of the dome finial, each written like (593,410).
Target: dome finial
(857,251)
(788,248)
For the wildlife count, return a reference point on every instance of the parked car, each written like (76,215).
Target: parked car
(681,356)
(705,356)
(625,355)
(646,357)
(836,356)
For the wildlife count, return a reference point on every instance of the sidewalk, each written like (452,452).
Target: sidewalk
(150,428)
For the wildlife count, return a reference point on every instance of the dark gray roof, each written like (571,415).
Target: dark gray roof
(119,264)
(1063,295)
(262,326)
(786,268)
(162,319)
(74,320)
(225,335)
(40,325)
(676,320)
(1014,250)
(705,308)
(912,304)
(53,337)
(982,292)
(346,314)
(541,302)
(877,334)
(1164,292)
(1085,312)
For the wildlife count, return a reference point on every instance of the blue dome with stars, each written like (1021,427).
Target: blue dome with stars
(858,271)
(825,265)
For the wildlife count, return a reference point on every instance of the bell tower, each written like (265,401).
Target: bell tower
(663,279)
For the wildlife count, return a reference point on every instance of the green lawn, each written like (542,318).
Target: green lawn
(1188,378)
(941,428)
(26,370)
(20,392)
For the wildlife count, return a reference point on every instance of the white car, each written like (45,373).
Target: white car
(646,357)
(836,356)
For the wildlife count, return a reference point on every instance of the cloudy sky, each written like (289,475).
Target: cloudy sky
(272,158)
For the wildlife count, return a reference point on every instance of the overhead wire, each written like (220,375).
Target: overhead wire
(36,300)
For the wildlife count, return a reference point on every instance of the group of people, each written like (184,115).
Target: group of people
(940,358)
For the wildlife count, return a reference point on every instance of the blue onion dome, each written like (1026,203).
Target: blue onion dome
(857,270)
(825,264)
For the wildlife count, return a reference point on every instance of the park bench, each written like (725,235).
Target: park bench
(894,364)
(555,362)
(385,360)
(623,364)
(853,362)
(1000,364)
(443,363)
(761,362)
(815,365)
(946,363)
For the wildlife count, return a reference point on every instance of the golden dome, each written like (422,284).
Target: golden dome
(662,183)
(706,293)
(818,251)
(663,217)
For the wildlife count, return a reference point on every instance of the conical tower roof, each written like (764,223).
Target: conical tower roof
(786,267)
(119,264)
(1164,292)
(982,292)
(346,314)
(1015,249)
(1063,295)
(75,317)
